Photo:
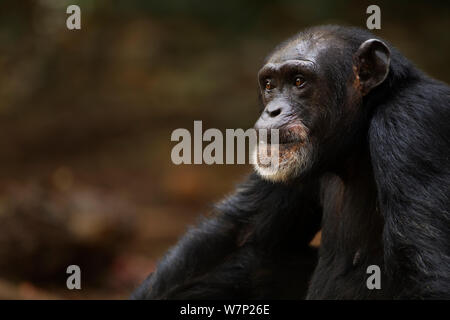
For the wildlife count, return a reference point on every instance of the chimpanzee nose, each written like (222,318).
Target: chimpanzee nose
(273,112)
(273,116)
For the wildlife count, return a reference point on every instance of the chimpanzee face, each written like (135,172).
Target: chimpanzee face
(311,90)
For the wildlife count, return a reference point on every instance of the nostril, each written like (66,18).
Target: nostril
(274,113)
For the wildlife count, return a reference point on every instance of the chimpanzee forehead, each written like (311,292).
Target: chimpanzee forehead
(301,49)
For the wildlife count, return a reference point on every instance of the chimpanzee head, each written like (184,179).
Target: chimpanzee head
(314,89)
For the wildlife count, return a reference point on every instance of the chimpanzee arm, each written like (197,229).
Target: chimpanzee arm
(410,150)
(254,246)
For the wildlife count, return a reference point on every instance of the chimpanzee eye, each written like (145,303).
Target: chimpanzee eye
(299,82)
(268,84)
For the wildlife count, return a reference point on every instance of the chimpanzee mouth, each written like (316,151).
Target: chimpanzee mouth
(271,153)
(287,136)
(283,147)
(287,157)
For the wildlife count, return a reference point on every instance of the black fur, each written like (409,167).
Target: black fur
(384,200)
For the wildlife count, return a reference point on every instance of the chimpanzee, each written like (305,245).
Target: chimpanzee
(365,150)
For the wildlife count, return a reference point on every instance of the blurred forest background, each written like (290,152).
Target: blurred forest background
(86,118)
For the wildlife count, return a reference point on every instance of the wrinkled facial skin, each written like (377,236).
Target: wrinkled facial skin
(308,101)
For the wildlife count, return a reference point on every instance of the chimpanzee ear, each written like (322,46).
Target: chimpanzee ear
(371,61)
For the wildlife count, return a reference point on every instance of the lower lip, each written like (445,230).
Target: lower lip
(286,144)
(284,149)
